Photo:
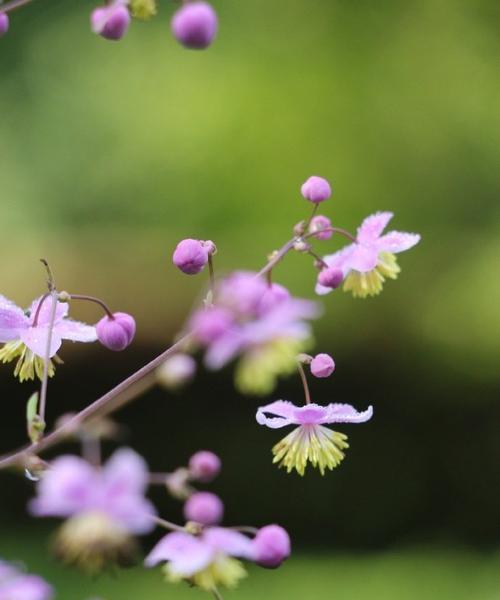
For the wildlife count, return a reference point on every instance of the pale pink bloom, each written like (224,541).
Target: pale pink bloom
(16,585)
(370,259)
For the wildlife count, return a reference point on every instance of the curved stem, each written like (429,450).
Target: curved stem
(217,594)
(39,308)
(102,304)
(304,383)
(338,230)
(167,524)
(10,6)
(280,254)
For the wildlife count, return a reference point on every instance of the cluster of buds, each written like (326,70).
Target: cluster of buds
(194,25)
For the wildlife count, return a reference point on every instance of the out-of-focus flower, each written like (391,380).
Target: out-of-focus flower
(176,371)
(27,342)
(16,585)
(310,441)
(104,507)
(330,278)
(4,24)
(316,189)
(207,561)
(320,225)
(204,466)
(195,25)
(143,9)
(116,333)
(322,365)
(112,21)
(205,508)
(271,546)
(369,261)
(191,256)
(262,325)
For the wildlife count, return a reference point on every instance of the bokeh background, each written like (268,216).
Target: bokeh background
(111,153)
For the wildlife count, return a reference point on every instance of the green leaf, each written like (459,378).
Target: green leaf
(32,407)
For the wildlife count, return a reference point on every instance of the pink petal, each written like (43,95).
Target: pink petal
(36,340)
(284,411)
(66,488)
(44,315)
(372,227)
(337,260)
(12,320)
(345,413)
(310,414)
(187,555)
(364,258)
(228,541)
(397,241)
(224,349)
(76,331)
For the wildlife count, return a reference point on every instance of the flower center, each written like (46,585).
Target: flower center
(370,284)
(28,363)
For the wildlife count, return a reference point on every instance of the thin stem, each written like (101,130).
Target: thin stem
(304,383)
(318,258)
(338,230)
(102,304)
(308,222)
(91,449)
(46,359)
(51,283)
(245,529)
(39,308)
(109,402)
(211,273)
(158,478)
(10,6)
(167,524)
(280,254)
(217,594)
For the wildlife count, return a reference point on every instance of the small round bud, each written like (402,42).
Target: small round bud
(271,546)
(301,245)
(331,277)
(205,508)
(322,365)
(4,24)
(190,256)
(110,22)
(195,25)
(316,189)
(299,228)
(318,225)
(176,371)
(204,466)
(116,333)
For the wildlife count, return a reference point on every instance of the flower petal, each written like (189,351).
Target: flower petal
(397,241)
(12,320)
(345,413)
(228,541)
(36,340)
(76,331)
(284,411)
(65,489)
(364,258)
(44,314)
(187,555)
(310,414)
(372,227)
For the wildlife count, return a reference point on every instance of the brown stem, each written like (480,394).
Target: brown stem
(10,6)
(167,524)
(304,383)
(102,304)
(39,308)
(338,230)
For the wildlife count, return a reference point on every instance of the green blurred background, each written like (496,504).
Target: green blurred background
(111,153)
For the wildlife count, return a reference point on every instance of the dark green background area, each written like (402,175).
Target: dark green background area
(111,153)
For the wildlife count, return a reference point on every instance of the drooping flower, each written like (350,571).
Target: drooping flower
(263,325)
(207,561)
(104,507)
(111,21)
(116,333)
(310,441)
(271,546)
(25,339)
(371,259)
(17,585)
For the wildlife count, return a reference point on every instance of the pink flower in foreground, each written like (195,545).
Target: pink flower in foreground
(310,441)
(370,259)
(104,507)
(16,585)
(262,325)
(27,342)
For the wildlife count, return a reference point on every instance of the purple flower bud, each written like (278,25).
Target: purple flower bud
(317,226)
(116,333)
(190,256)
(195,25)
(271,546)
(330,277)
(316,189)
(204,466)
(322,365)
(110,22)
(205,508)
(4,24)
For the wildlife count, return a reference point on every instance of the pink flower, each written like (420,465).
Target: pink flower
(111,21)
(322,365)
(195,25)
(206,560)
(310,441)
(205,508)
(104,507)
(316,189)
(116,333)
(262,325)
(16,585)
(27,342)
(367,262)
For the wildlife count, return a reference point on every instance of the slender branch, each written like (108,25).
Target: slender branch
(109,402)
(338,230)
(211,273)
(167,524)
(304,383)
(10,6)
(46,359)
(39,308)
(102,304)
(217,594)
(280,254)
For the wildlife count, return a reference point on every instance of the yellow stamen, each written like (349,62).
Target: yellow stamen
(370,284)
(224,571)
(316,444)
(28,364)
